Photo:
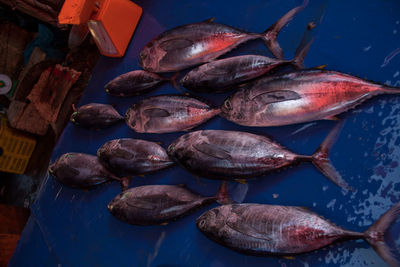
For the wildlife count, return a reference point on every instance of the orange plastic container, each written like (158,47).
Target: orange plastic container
(17,148)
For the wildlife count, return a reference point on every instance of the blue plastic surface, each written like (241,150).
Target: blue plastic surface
(73,228)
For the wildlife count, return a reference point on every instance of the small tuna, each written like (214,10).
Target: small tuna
(223,74)
(80,170)
(168,113)
(160,204)
(193,44)
(228,155)
(136,82)
(299,96)
(127,157)
(284,230)
(96,116)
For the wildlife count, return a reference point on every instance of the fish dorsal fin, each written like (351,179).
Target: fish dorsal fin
(210,20)
(212,150)
(175,44)
(246,229)
(276,96)
(156,112)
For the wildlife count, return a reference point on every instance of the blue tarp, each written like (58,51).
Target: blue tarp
(71,227)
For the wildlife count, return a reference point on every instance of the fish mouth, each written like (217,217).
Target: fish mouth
(73,117)
(51,169)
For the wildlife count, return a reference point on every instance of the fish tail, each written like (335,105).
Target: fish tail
(270,35)
(302,50)
(174,81)
(391,89)
(375,235)
(124,182)
(222,195)
(321,160)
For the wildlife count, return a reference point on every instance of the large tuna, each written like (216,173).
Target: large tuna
(299,96)
(80,170)
(168,113)
(284,230)
(159,204)
(96,116)
(228,155)
(127,157)
(193,44)
(223,74)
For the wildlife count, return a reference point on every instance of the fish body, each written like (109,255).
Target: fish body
(299,96)
(286,230)
(96,116)
(221,75)
(157,204)
(80,170)
(127,157)
(134,83)
(168,113)
(192,44)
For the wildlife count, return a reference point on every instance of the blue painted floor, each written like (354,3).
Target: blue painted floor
(73,228)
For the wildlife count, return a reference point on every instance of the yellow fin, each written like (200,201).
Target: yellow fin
(242,181)
(321,67)
(288,257)
(141,175)
(164,223)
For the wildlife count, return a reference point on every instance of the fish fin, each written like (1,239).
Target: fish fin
(332,118)
(269,36)
(222,194)
(125,181)
(311,25)
(320,159)
(246,229)
(156,112)
(241,181)
(375,235)
(164,223)
(175,44)
(289,257)
(174,81)
(212,151)
(276,96)
(142,175)
(302,50)
(210,20)
(320,67)
(141,203)
(160,143)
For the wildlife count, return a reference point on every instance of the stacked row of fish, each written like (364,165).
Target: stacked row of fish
(273,100)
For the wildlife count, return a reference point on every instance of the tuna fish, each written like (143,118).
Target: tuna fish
(80,170)
(193,44)
(127,157)
(284,230)
(136,82)
(228,155)
(168,113)
(300,96)
(222,75)
(96,116)
(160,204)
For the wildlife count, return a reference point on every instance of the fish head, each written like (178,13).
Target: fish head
(212,222)
(231,107)
(74,117)
(52,168)
(130,118)
(149,58)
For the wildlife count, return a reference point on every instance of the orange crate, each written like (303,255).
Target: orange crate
(17,148)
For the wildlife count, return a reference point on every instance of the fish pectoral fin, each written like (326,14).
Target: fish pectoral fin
(276,96)
(175,44)
(212,151)
(246,229)
(141,204)
(156,112)
(241,181)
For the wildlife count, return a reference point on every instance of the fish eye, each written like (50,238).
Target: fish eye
(227,105)
(202,223)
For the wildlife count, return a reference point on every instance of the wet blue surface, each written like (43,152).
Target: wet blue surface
(73,227)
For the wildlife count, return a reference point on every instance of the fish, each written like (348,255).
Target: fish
(299,96)
(96,116)
(225,74)
(136,82)
(168,113)
(128,157)
(160,204)
(80,170)
(193,44)
(229,155)
(272,230)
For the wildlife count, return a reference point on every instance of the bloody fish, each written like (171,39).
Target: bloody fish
(136,82)
(96,116)
(160,204)
(80,170)
(192,44)
(168,113)
(299,96)
(127,157)
(285,230)
(228,155)
(223,74)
